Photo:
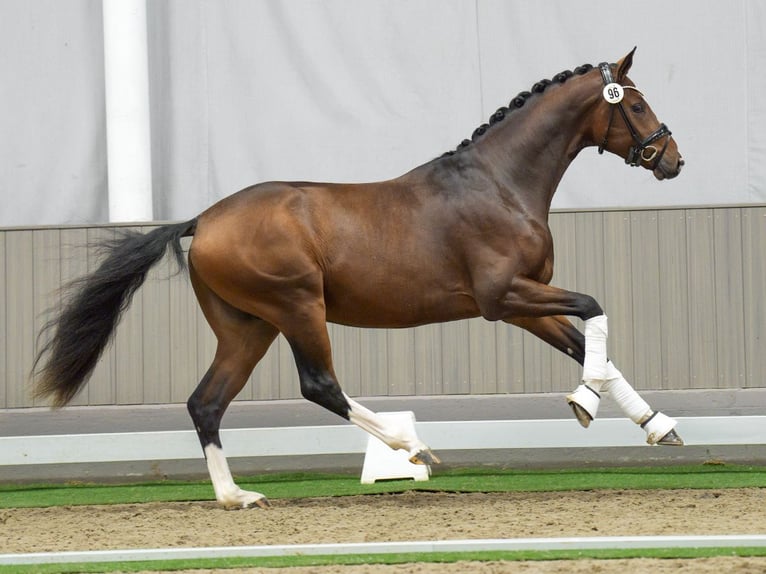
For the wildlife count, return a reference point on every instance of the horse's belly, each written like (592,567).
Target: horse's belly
(389,306)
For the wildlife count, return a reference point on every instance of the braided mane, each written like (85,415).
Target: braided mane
(518,102)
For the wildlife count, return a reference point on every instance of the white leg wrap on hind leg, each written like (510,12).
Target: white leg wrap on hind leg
(594,365)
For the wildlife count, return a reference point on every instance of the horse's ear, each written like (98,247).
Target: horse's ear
(624,65)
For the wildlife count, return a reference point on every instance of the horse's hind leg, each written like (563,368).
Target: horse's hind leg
(307,334)
(559,332)
(242,342)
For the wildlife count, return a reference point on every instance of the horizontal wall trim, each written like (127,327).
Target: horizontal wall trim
(348,439)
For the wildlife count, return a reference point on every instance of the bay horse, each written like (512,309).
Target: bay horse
(463,235)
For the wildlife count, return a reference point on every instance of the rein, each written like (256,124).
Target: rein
(643,150)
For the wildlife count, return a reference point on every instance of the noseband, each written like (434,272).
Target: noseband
(642,150)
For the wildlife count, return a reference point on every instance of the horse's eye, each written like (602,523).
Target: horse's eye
(637,108)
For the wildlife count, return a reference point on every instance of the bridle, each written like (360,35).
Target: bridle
(643,150)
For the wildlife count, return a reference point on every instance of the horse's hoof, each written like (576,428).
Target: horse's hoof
(425,456)
(261,502)
(671,439)
(583,417)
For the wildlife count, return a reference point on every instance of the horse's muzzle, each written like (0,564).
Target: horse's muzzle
(667,169)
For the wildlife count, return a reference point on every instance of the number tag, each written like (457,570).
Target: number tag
(613,93)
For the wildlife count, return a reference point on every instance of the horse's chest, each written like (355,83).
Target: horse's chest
(528,251)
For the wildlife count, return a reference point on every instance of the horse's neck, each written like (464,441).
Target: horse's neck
(531,149)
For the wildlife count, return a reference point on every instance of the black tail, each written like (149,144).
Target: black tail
(87,321)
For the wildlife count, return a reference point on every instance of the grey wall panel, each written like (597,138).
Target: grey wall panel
(20,316)
(5,333)
(618,287)
(510,359)
(455,366)
(102,386)
(130,363)
(428,360)
(674,299)
(401,361)
(482,357)
(156,348)
(683,290)
(703,332)
(729,303)
(754,288)
(46,261)
(644,262)
(74,264)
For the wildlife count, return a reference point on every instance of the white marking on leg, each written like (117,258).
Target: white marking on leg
(393,435)
(227,493)
(594,365)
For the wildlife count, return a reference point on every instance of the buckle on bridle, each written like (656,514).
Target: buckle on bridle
(638,153)
(653,151)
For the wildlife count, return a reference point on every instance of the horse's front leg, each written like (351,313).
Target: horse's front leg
(538,307)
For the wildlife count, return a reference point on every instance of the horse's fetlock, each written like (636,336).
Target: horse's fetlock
(590,308)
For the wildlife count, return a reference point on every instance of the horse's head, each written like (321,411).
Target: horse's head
(629,127)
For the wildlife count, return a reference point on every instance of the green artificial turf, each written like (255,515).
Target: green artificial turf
(303,485)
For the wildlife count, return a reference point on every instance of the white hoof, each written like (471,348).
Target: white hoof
(657,426)
(584,402)
(239,499)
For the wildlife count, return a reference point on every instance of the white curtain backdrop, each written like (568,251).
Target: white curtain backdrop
(342,90)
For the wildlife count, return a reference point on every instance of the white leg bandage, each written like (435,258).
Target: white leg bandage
(656,424)
(634,407)
(588,398)
(594,365)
